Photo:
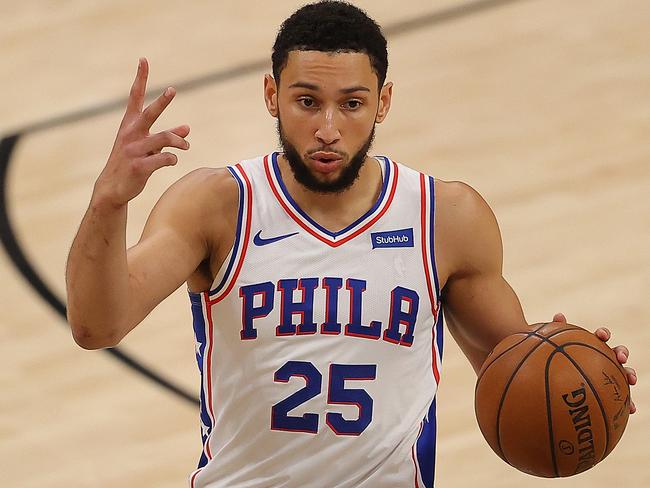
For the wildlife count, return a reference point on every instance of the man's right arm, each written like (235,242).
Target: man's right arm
(106,288)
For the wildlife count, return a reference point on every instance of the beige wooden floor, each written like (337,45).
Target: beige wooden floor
(542,105)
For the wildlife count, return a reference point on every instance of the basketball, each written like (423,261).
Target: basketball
(552,402)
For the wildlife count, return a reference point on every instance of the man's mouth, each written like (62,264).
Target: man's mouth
(326,162)
(326,157)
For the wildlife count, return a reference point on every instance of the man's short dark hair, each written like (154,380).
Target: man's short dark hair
(333,27)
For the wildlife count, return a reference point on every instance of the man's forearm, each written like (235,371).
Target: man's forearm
(97,277)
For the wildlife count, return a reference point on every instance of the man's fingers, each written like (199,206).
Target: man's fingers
(153,111)
(151,163)
(603,334)
(138,89)
(631,376)
(156,142)
(631,379)
(181,130)
(622,354)
(559,317)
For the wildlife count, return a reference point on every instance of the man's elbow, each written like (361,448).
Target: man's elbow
(89,338)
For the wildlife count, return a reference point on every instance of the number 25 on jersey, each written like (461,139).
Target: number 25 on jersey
(337,394)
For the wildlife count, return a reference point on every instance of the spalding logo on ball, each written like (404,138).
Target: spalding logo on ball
(552,402)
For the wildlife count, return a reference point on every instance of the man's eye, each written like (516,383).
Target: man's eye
(352,104)
(306,102)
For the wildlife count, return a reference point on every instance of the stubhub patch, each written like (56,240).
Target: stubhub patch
(392,238)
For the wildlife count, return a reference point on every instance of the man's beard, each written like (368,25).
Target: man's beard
(303,175)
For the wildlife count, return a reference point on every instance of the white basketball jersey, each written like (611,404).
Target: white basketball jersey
(319,351)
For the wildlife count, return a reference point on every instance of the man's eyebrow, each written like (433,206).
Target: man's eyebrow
(353,89)
(311,86)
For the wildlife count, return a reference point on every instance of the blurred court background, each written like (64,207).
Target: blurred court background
(541,105)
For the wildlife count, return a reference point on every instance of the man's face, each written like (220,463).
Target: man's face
(327,105)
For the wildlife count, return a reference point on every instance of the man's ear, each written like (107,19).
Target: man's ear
(385,96)
(271,95)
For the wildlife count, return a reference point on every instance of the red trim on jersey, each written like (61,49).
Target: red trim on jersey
(208,377)
(415,463)
(423,220)
(208,312)
(434,356)
(244,245)
(194,476)
(306,227)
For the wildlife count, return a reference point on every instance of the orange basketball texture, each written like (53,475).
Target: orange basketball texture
(552,402)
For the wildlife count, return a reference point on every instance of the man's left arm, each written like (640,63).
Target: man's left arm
(481,308)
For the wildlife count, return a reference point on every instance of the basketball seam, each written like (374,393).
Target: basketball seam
(503,396)
(532,333)
(593,390)
(527,334)
(591,387)
(598,351)
(549,415)
(506,388)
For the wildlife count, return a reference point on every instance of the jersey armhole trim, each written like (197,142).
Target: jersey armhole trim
(427,222)
(238,251)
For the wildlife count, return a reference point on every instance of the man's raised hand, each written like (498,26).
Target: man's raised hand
(136,153)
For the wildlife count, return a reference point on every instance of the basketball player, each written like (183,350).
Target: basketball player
(317,275)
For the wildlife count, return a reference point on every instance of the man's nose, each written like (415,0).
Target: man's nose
(328,132)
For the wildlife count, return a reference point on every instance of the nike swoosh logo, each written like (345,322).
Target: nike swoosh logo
(258,240)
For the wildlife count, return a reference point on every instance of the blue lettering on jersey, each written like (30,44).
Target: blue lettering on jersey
(303,308)
(392,238)
(332,287)
(249,311)
(400,330)
(399,317)
(354,328)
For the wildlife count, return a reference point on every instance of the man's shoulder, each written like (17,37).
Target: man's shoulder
(221,185)
(457,194)
(461,206)
(206,177)
(208,185)
(197,197)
